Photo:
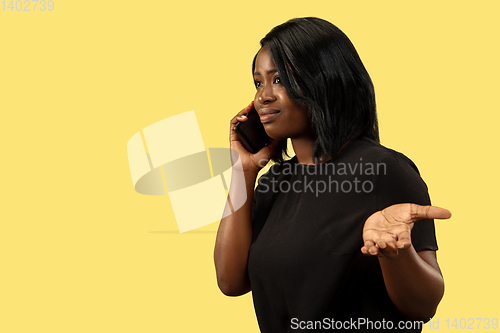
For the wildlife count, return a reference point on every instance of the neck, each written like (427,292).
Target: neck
(303,148)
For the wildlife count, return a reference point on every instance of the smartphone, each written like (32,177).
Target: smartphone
(252,133)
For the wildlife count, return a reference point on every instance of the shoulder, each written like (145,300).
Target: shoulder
(389,161)
(278,170)
(375,151)
(397,179)
(394,176)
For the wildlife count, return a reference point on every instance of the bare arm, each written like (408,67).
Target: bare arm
(234,237)
(413,280)
(414,283)
(235,229)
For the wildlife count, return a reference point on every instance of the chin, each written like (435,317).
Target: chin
(273,133)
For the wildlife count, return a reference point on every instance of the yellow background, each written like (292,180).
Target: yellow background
(81,251)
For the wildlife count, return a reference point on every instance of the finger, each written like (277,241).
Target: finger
(388,249)
(375,251)
(371,249)
(428,212)
(404,240)
(366,247)
(386,243)
(402,245)
(369,243)
(241,116)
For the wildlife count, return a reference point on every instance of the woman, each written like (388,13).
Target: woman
(296,240)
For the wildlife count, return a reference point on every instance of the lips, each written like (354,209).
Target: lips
(267,115)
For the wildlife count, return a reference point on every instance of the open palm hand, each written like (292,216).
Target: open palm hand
(389,230)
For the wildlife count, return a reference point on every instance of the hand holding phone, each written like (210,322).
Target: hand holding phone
(252,132)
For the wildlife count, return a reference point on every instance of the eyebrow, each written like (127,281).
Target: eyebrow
(271,71)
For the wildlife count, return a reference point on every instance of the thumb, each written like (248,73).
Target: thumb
(428,212)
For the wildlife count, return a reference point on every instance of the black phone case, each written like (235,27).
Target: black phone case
(252,133)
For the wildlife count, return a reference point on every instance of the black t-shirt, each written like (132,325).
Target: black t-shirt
(306,268)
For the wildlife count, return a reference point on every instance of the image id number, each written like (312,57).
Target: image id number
(28,5)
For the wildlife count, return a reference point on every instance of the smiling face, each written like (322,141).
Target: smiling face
(282,117)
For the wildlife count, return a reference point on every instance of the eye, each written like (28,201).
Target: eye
(257,83)
(277,80)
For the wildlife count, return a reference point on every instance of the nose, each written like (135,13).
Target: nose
(266,95)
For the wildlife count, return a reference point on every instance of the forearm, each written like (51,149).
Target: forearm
(235,235)
(413,284)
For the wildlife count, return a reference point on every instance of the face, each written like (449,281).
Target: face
(282,117)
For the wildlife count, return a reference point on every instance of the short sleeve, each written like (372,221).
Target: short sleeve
(402,183)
